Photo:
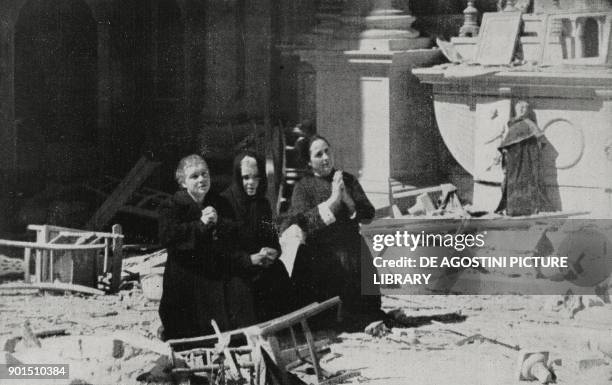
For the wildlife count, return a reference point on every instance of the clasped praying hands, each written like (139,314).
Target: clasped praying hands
(340,194)
(265,257)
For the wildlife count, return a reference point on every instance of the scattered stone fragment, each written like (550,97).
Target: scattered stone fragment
(103,314)
(29,338)
(590,362)
(377,329)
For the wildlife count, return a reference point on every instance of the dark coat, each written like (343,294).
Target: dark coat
(523,188)
(201,265)
(330,262)
(271,286)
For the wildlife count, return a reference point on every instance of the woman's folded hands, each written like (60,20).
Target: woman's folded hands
(265,257)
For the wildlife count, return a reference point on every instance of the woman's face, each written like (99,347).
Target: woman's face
(197,180)
(321,159)
(521,109)
(250,175)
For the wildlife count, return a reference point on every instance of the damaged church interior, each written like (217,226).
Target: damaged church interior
(445,116)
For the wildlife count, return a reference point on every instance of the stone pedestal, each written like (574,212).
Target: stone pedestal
(573,109)
(366,97)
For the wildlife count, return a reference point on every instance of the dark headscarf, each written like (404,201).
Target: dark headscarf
(250,210)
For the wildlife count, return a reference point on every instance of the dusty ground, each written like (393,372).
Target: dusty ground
(424,355)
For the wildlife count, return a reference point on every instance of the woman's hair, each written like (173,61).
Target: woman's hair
(261,170)
(305,150)
(189,160)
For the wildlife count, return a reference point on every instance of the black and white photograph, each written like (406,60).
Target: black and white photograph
(286,192)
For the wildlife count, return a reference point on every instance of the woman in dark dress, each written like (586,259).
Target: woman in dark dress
(270,283)
(328,205)
(201,259)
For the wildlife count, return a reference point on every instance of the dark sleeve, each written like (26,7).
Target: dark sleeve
(228,228)
(364,209)
(178,232)
(304,211)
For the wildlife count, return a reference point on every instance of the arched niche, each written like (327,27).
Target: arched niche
(55,86)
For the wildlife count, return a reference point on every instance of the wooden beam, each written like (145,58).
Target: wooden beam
(297,316)
(117,260)
(27,254)
(49,246)
(120,195)
(48,286)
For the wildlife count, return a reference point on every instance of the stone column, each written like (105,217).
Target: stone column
(365,92)
(578,35)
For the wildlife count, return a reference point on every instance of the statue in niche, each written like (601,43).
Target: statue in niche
(523,188)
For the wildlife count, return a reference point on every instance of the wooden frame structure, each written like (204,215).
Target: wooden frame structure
(54,243)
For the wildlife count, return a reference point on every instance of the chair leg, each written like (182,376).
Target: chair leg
(312,350)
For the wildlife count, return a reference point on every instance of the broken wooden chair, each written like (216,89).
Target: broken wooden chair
(199,353)
(70,256)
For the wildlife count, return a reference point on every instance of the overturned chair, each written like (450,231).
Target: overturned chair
(67,259)
(255,354)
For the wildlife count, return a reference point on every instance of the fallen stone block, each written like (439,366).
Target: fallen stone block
(590,362)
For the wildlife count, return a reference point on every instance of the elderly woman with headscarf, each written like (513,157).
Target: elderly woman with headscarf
(203,264)
(251,213)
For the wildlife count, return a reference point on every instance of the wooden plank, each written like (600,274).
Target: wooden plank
(117,260)
(27,254)
(48,246)
(120,195)
(295,357)
(43,237)
(229,358)
(312,349)
(295,317)
(106,250)
(52,228)
(52,287)
(89,234)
